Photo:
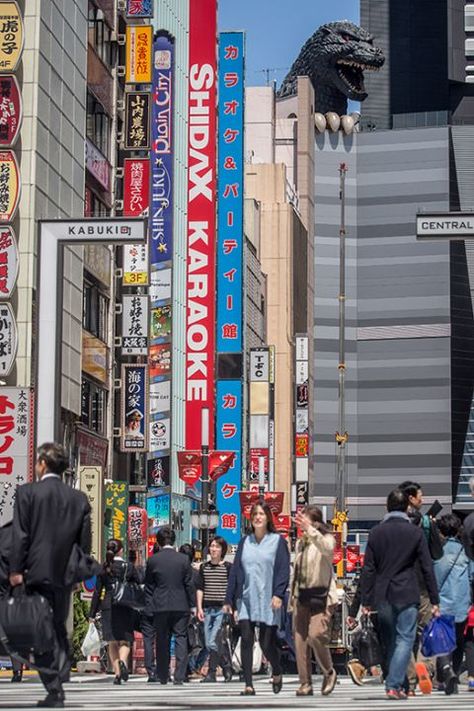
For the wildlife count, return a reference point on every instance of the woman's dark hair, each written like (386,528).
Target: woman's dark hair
(450,525)
(114,546)
(222,543)
(165,536)
(268,513)
(188,550)
(315,515)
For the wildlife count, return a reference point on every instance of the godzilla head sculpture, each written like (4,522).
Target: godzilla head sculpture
(335,59)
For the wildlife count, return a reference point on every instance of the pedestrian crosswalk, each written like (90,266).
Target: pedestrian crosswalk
(97,692)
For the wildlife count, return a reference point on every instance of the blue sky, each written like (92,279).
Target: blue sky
(277,29)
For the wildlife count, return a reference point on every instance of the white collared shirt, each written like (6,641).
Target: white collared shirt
(50,475)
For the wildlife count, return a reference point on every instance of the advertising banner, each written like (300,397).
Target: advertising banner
(137,121)
(160,397)
(134,411)
(136,186)
(10,186)
(160,285)
(302,434)
(158,471)
(12,36)
(160,322)
(134,324)
(16,445)
(160,432)
(138,67)
(158,507)
(137,525)
(190,466)
(98,165)
(220,463)
(11,110)
(230,240)
(116,512)
(201,257)
(139,8)
(91,483)
(8,339)
(160,360)
(9,261)
(135,265)
(229,437)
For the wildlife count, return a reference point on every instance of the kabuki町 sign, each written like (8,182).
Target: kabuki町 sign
(11,110)
(201,257)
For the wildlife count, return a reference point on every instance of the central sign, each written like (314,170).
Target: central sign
(445,225)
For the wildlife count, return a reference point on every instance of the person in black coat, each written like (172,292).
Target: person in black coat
(6,532)
(48,519)
(169,596)
(389,584)
(117,621)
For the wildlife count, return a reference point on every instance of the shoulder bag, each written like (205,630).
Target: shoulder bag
(26,623)
(127,593)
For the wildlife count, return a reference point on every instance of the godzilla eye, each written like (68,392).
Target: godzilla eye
(346,38)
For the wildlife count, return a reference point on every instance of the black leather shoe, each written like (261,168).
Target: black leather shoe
(178,683)
(276,685)
(152,680)
(52,701)
(17,677)
(248,691)
(123,671)
(227,674)
(209,679)
(117,680)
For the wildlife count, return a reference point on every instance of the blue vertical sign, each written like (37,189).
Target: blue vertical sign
(230,236)
(229,438)
(230,265)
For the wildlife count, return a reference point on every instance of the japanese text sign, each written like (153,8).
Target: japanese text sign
(8,339)
(91,483)
(137,121)
(10,186)
(137,524)
(229,437)
(139,8)
(136,186)
(135,265)
(230,242)
(9,261)
(16,442)
(11,36)
(116,511)
(134,416)
(11,110)
(134,324)
(139,40)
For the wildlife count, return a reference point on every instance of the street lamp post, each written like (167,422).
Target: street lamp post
(204,473)
(261,476)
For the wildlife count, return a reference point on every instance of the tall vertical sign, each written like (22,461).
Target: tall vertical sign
(201,257)
(230,266)
(302,410)
(161,252)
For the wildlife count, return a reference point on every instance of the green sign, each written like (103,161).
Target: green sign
(116,513)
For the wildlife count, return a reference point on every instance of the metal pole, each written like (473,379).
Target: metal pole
(204,474)
(261,476)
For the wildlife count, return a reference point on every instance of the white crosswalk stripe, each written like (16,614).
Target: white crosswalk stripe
(94,693)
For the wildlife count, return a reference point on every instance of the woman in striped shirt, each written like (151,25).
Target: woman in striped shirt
(211,590)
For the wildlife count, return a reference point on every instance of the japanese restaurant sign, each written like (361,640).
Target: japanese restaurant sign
(136,186)
(8,339)
(16,445)
(91,483)
(135,265)
(139,8)
(10,186)
(134,324)
(11,110)
(138,68)
(134,411)
(9,260)
(11,36)
(116,511)
(137,121)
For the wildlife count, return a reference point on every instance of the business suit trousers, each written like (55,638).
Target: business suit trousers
(58,661)
(167,624)
(150,644)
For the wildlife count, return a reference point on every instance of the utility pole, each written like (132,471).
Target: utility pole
(204,476)
(340,515)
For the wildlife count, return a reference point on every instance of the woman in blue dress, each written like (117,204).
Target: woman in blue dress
(257,584)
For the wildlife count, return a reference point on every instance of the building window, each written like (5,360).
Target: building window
(93,406)
(98,125)
(469,45)
(95,308)
(100,36)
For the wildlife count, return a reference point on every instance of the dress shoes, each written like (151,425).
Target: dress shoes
(329,682)
(17,677)
(152,680)
(52,701)
(305,690)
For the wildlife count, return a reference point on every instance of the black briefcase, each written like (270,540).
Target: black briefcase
(27,623)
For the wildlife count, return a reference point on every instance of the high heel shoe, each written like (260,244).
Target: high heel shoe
(276,685)
(117,680)
(123,671)
(248,691)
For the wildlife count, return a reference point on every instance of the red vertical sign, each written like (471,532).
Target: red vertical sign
(201,233)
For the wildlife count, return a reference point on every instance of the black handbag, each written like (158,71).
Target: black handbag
(314,598)
(367,644)
(27,623)
(128,594)
(80,566)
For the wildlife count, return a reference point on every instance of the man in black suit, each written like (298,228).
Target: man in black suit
(48,519)
(170,594)
(389,584)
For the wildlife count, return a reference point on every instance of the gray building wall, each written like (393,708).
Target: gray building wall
(375,17)
(398,317)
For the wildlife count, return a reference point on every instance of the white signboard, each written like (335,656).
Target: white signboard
(160,434)
(259,365)
(301,347)
(8,339)
(302,421)
(301,372)
(91,483)
(134,324)
(16,441)
(113,230)
(135,265)
(9,261)
(160,397)
(449,225)
(160,285)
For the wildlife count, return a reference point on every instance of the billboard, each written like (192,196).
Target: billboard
(91,483)
(8,339)
(201,257)
(230,239)
(229,437)
(139,8)
(134,410)
(12,36)
(301,413)
(138,68)
(135,265)
(11,110)
(9,261)
(134,324)
(136,186)
(137,121)
(10,186)
(116,512)
(16,445)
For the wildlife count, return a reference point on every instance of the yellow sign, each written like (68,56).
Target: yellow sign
(138,69)
(11,36)
(90,482)
(9,185)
